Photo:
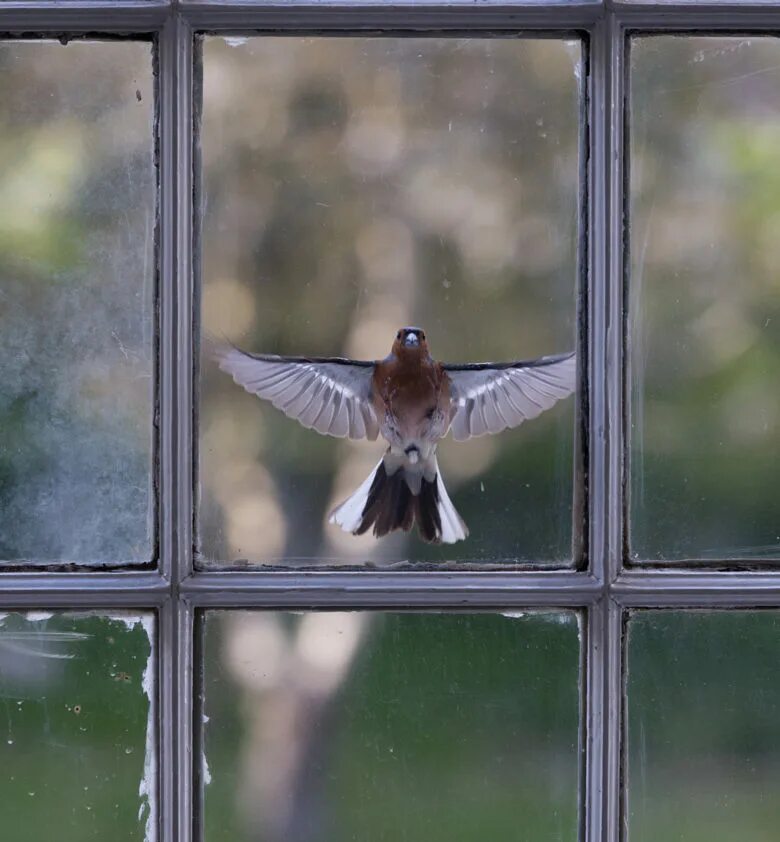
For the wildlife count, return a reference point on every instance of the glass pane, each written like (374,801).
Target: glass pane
(704,327)
(703,726)
(356,185)
(77,727)
(333,726)
(77,221)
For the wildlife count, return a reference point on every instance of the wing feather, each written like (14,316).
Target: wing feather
(329,394)
(490,397)
(314,407)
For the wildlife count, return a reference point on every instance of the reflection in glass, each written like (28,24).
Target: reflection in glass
(333,726)
(703,726)
(77,217)
(350,187)
(705,312)
(77,728)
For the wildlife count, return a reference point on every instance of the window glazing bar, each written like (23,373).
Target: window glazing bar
(175,173)
(658,588)
(144,16)
(592,788)
(375,589)
(314,16)
(139,589)
(736,17)
(74,16)
(612,706)
(175,727)
(175,148)
(604,666)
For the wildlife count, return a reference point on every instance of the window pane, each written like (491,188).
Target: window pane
(332,726)
(705,310)
(703,725)
(77,727)
(355,185)
(77,218)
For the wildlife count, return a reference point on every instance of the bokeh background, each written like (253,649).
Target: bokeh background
(703,725)
(77,219)
(354,185)
(77,734)
(704,297)
(329,726)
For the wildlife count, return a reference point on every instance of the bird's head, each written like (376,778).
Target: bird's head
(410,339)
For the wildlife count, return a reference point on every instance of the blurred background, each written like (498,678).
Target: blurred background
(77,217)
(76,729)
(355,185)
(704,297)
(703,725)
(333,726)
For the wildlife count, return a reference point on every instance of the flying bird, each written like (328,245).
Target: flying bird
(412,401)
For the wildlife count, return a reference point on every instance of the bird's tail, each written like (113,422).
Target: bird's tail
(397,494)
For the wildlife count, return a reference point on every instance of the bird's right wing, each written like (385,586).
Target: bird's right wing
(327,394)
(490,397)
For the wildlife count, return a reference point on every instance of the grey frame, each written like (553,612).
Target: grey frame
(605,591)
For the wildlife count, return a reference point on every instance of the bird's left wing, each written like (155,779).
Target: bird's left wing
(328,394)
(491,397)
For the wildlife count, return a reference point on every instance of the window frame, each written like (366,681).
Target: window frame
(606,591)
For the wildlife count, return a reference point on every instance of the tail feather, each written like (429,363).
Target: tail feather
(453,526)
(349,515)
(427,511)
(386,502)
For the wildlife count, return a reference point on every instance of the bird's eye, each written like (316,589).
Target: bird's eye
(422,336)
(398,335)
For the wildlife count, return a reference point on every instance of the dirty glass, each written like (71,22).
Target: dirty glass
(704,331)
(77,727)
(333,726)
(703,726)
(77,218)
(351,186)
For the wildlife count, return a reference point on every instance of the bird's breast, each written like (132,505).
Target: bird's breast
(412,396)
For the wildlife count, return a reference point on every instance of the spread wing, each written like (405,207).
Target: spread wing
(327,394)
(490,397)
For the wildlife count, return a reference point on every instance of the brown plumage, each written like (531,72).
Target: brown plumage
(413,401)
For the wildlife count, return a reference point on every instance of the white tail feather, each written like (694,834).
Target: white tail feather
(349,514)
(453,527)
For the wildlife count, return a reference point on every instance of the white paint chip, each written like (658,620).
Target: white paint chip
(38,616)
(147,789)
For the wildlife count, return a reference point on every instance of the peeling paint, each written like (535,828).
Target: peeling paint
(147,789)
(148,786)
(205,772)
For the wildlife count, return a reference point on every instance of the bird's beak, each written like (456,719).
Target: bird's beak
(411,340)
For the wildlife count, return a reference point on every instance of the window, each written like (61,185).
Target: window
(176,666)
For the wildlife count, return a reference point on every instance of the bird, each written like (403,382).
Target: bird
(412,401)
